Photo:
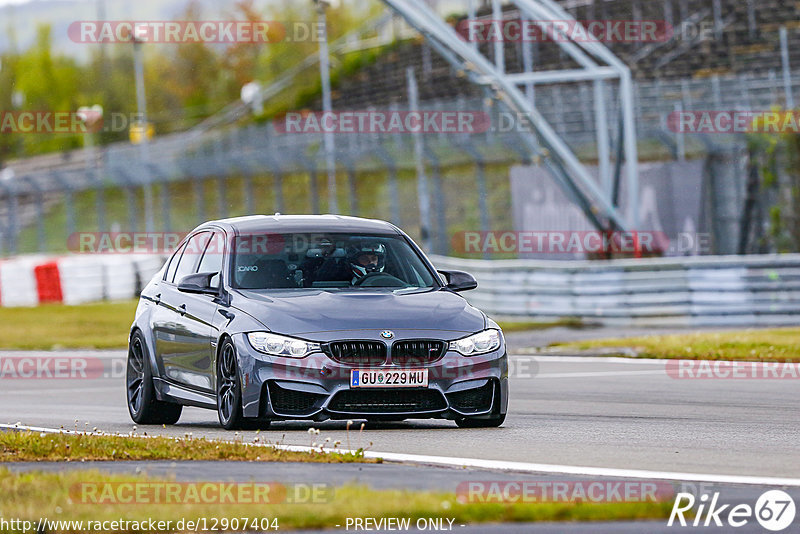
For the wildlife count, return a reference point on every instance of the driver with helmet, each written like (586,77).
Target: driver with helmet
(366,258)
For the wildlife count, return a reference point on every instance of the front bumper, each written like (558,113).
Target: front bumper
(318,388)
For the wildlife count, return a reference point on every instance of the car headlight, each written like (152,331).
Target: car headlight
(480,343)
(288,347)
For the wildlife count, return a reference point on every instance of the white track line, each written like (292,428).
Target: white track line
(500,465)
(597,374)
(545,358)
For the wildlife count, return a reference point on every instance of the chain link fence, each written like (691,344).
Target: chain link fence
(256,168)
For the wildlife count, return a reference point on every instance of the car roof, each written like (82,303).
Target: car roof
(254,224)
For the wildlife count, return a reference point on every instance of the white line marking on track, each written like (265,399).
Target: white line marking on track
(590,359)
(14,393)
(598,374)
(501,465)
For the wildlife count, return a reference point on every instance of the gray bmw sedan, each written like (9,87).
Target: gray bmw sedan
(268,318)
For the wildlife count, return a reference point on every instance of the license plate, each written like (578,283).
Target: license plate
(389,378)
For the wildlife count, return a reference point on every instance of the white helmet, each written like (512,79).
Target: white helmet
(367,249)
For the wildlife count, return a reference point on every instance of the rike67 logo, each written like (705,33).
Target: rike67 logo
(774,510)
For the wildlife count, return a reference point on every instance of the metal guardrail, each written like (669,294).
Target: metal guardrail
(709,290)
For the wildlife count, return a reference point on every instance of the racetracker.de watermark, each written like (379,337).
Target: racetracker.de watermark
(163,243)
(734,122)
(65,122)
(159,243)
(586,491)
(48,122)
(194,31)
(578,242)
(203,493)
(60,368)
(318,366)
(563,31)
(727,370)
(384,122)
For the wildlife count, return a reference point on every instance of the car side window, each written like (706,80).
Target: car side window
(212,258)
(191,255)
(173,264)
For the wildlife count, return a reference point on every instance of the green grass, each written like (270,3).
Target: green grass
(33,447)
(524,326)
(58,496)
(774,345)
(104,325)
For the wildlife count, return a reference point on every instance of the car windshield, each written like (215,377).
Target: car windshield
(327,260)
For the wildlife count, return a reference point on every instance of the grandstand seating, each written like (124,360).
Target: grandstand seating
(741,37)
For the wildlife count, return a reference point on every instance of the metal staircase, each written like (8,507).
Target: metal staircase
(597,64)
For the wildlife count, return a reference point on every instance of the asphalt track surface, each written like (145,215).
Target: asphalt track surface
(586,412)
(607,413)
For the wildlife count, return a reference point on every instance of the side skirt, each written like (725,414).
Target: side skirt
(172,392)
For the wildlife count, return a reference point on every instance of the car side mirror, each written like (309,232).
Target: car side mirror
(459,280)
(198,283)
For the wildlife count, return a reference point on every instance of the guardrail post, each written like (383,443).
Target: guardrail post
(394,193)
(313,190)
(222,196)
(422,179)
(247,190)
(725,201)
(680,137)
(352,183)
(273,163)
(128,188)
(787,69)
(13,227)
(41,238)
(164,196)
(439,204)
(69,200)
(480,182)
(199,189)
(11,216)
(166,206)
(99,197)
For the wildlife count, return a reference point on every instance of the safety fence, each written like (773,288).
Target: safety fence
(709,290)
(699,291)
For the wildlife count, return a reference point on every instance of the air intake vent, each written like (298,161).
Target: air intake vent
(290,402)
(387,401)
(473,400)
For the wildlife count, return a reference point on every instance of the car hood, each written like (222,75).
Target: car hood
(309,311)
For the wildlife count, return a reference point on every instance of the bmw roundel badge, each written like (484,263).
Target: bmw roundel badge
(387,334)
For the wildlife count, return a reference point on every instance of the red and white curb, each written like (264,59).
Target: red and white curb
(35,280)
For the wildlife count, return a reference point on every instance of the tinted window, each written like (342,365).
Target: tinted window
(191,255)
(330,260)
(173,264)
(212,258)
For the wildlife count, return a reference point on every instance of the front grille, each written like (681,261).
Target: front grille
(472,400)
(289,401)
(387,401)
(417,352)
(368,353)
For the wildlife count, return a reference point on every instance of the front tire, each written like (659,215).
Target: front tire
(229,388)
(143,405)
